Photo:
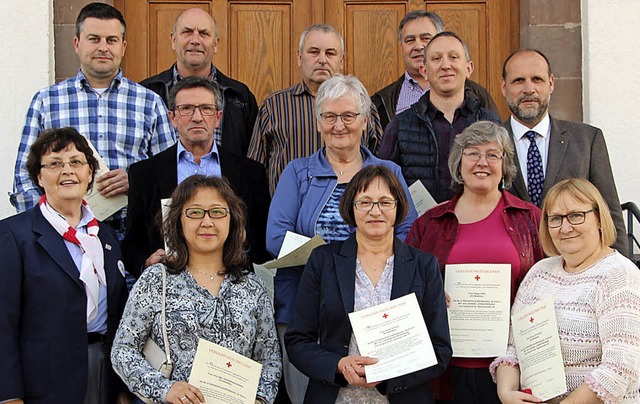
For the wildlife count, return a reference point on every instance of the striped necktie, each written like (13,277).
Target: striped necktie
(535,175)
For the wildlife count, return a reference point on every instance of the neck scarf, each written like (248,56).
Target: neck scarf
(92,267)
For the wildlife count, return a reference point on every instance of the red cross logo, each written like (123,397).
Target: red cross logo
(228,364)
(531,320)
(477,277)
(385,315)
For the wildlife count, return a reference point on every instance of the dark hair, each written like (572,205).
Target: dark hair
(195,82)
(361,181)
(450,35)
(234,257)
(100,11)
(532,50)
(54,140)
(418,14)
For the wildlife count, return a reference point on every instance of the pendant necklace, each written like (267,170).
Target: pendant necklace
(211,276)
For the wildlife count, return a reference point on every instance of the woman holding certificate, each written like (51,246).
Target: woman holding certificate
(370,268)
(596,299)
(482,224)
(210,295)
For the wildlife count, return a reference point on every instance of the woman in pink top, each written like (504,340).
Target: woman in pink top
(596,299)
(482,224)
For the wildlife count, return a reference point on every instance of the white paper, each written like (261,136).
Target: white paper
(291,242)
(535,333)
(479,309)
(300,253)
(422,199)
(267,276)
(165,205)
(101,206)
(396,335)
(224,376)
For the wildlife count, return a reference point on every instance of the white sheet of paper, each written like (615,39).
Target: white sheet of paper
(396,335)
(422,199)
(267,276)
(300,253)
(480,308)
(101,206)
(224,376)
(291,242)
(535,333)
(165,205)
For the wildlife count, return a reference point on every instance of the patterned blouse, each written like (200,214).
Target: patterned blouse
(330,225)
(240,319)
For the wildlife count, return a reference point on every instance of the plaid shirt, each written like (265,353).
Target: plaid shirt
(126,123)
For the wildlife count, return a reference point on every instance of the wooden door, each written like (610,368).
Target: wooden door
(259,38)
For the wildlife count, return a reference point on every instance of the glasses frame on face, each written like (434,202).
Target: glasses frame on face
(574,218)
(190,109)
(214,213)
(367,206)
(59,165)
(347,118)
(489,157)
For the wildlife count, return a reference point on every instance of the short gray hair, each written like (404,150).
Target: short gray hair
(479,133)
(418,14)
(322,28)
(337,87)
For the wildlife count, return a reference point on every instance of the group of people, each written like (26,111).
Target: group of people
(318,158)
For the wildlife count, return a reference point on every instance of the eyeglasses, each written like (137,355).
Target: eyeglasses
(189,110)
(368,205)
(331,118)
(476,156)
(198,213)
(574,218)
(58,165)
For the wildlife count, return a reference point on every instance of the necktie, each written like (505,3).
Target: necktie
(535,175)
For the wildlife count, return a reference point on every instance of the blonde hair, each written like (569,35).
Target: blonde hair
(585,192)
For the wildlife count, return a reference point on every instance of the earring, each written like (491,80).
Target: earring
(501,186)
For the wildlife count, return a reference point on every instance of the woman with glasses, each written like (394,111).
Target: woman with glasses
(210,295)
(482,224)
(309,191)
(63,290)
(371,267)
(596,298)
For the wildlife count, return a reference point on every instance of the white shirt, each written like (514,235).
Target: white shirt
(543,129)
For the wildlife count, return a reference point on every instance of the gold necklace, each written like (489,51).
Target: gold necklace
(211,276)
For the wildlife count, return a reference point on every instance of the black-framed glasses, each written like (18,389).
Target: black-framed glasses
(476,156)
(554,221)
(189,110)
(198,213)
(331,118)
(387,204)
(58,165)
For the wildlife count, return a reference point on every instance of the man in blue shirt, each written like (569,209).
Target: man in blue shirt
(124,121)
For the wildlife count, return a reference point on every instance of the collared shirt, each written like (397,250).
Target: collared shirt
(99,323)
(209,163)
(286,129)
(217,133)
(410,93)
(543,129)
(127,123)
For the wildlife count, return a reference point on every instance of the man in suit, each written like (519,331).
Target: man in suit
(195,110)
(414,33)
(195,40)
(549,150)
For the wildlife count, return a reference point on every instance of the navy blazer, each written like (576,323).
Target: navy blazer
(43,305)
(320,333)
(157,177)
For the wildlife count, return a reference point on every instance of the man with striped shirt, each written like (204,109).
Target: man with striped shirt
(286,127)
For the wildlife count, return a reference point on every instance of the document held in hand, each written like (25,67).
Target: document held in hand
(396,335)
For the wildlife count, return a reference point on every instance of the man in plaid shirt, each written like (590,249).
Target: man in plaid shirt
(124,121)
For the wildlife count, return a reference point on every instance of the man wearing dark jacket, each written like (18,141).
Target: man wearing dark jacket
(195,40)
(419,139)
(414,33)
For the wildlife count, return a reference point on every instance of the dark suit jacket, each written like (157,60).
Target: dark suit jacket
(43,304)
(577,150)
(154,179)
(320,333)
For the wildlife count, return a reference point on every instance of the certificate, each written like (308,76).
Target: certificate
(535,333)
(479,309)
(223,376)
(101,206)
(422,199)
(165,206)
(295,251)
(396,335)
